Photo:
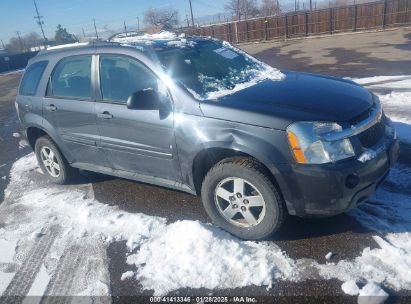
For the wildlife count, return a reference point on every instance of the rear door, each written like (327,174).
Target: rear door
(70,107)
(138,141)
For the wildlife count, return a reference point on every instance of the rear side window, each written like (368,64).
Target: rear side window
(72,78)
(32,78)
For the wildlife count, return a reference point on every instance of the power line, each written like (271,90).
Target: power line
(40,23)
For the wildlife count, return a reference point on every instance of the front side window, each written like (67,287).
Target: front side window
(72,78)
(32,78)
(121,76)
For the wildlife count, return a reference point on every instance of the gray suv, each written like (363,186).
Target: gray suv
(200,116)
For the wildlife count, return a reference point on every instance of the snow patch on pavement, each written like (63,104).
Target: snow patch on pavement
(181,254)
(395,95)
(350,288)
(192,254)
(372,293)
(389,214)
(30,208)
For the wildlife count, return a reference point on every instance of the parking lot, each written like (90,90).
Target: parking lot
(305,241)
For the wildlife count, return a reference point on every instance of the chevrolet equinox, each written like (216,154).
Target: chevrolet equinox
(200,116)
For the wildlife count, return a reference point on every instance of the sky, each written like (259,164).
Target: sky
(18,15)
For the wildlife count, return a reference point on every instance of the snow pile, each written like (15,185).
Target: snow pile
(350,288)
(372,294)
(181,43)
(164,35)
(193,254)
(395,95)
(68,217)
(389,214)
(182,254)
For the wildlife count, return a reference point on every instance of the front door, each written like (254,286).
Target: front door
(136,140)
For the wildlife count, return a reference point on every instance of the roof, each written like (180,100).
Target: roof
(141,42)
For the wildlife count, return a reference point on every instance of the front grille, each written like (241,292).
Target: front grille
(372,136)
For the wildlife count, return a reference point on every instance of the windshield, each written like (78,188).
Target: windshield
(210,69)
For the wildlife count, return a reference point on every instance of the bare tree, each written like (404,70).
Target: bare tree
(167,18)
(24,44)
(270,8)
(242,9)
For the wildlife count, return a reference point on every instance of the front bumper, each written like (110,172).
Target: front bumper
(325,190)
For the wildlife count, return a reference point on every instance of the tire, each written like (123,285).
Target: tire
(229,172)
(65,173)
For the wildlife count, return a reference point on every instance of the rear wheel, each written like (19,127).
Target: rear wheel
(240,197)
(52,162)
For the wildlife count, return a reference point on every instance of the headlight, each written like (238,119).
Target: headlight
(308,148)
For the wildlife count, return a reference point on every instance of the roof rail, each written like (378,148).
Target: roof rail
(62,46)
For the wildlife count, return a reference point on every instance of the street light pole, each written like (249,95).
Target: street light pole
(138,24)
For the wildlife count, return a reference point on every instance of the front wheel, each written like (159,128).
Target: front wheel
(239,196)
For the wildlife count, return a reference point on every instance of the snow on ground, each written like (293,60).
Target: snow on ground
(76,230)
(71,222)
(371,293)
(350,288)
(181,254)
(395,95)
(189,253)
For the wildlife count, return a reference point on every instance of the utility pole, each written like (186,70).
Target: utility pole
(191,10)
(95,28)
(84,34)
(311,5)
(295,5)
(21,42)
(138,24)
(125,27)
(238,10)
(40,22)
(188,22)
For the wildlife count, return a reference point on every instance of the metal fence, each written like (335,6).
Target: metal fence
(359,17)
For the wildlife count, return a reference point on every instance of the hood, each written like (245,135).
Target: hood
(298,97)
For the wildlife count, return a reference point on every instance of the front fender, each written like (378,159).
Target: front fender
(196,134)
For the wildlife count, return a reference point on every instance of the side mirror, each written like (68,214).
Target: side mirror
(147,99)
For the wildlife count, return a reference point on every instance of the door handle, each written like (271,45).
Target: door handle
(105,115)
(51,108)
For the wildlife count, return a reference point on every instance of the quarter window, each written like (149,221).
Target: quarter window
(121,76)
(32,78)
(72,78)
